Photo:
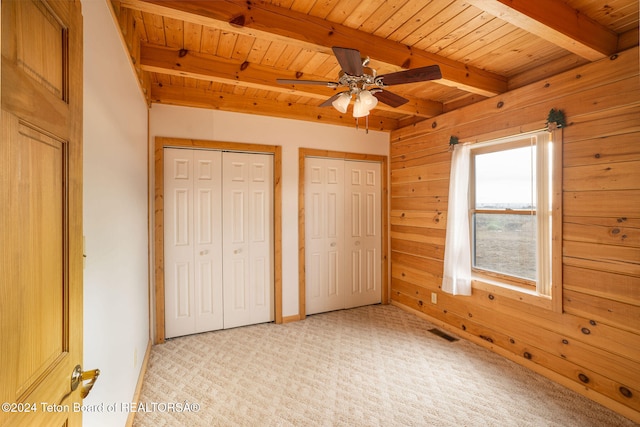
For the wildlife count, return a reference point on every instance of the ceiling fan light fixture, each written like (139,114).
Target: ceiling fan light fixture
(342,102)
(360,109)
(365,84)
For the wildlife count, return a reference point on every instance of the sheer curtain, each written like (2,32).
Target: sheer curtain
(457,251)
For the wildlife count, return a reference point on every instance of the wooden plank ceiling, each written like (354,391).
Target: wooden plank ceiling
(227,54)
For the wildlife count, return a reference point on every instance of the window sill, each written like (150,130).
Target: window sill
(512,292)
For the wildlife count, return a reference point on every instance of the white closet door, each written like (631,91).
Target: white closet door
(363,240)
(192,233)
(343,242)
(324,231)
(247,238)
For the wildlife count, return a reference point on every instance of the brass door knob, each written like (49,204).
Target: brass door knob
(79,376)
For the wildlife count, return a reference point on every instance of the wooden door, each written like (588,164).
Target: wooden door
(41,212)
(324,223)
(247,204)
(192,241)
(363,229)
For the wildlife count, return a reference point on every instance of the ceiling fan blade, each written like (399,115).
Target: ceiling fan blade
(306,82)
(422,74)
(390,99)
(349,60)
(329,101)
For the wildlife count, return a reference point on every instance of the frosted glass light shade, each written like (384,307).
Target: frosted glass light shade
(359,108)
(342,102)
(368,99)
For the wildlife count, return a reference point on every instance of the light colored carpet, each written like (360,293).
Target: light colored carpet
(370,366)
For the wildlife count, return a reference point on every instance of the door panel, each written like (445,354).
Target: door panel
(207,253)
(193,268)
(335,277)
(206,297)
(257,220)
(179,272)
(248,238)
(363,238)
(183,290)
(40,209)
(237,289)
(313,267)
(324,195)
(182,215)
(259,275)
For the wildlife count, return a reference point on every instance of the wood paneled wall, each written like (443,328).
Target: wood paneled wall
(593,345)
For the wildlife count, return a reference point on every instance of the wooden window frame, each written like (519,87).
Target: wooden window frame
(511,286)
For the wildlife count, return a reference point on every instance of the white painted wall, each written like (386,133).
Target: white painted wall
(116,317)
(181,122)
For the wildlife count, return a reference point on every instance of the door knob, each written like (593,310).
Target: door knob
(237,251)
(79,376)
(333,244)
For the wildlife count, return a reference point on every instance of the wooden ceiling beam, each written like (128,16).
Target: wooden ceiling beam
(207,67)
(201,98)
(557,22)
(310,32)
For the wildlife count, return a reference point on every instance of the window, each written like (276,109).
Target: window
(511,212)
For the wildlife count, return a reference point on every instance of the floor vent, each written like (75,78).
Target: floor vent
(441,334)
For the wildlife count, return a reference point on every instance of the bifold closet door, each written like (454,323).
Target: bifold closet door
(247,239)
(343,243)
(192,236)
(218,240)
(324,231)
(363,229)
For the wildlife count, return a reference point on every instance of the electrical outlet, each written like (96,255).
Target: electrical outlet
(434,298)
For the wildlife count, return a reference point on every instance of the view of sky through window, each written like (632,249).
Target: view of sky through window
(494,190)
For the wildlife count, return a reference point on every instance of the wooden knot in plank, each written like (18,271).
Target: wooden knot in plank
(238,21)
(625,392)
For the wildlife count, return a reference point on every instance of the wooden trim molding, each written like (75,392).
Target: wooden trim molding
(383,160)
(160,144)
(139,383)
(289,319)
(557,138)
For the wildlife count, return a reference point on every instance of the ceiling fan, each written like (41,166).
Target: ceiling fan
(365,85)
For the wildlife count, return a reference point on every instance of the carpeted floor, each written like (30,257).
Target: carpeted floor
(370,366)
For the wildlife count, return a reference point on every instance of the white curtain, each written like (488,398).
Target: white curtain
(457,251)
